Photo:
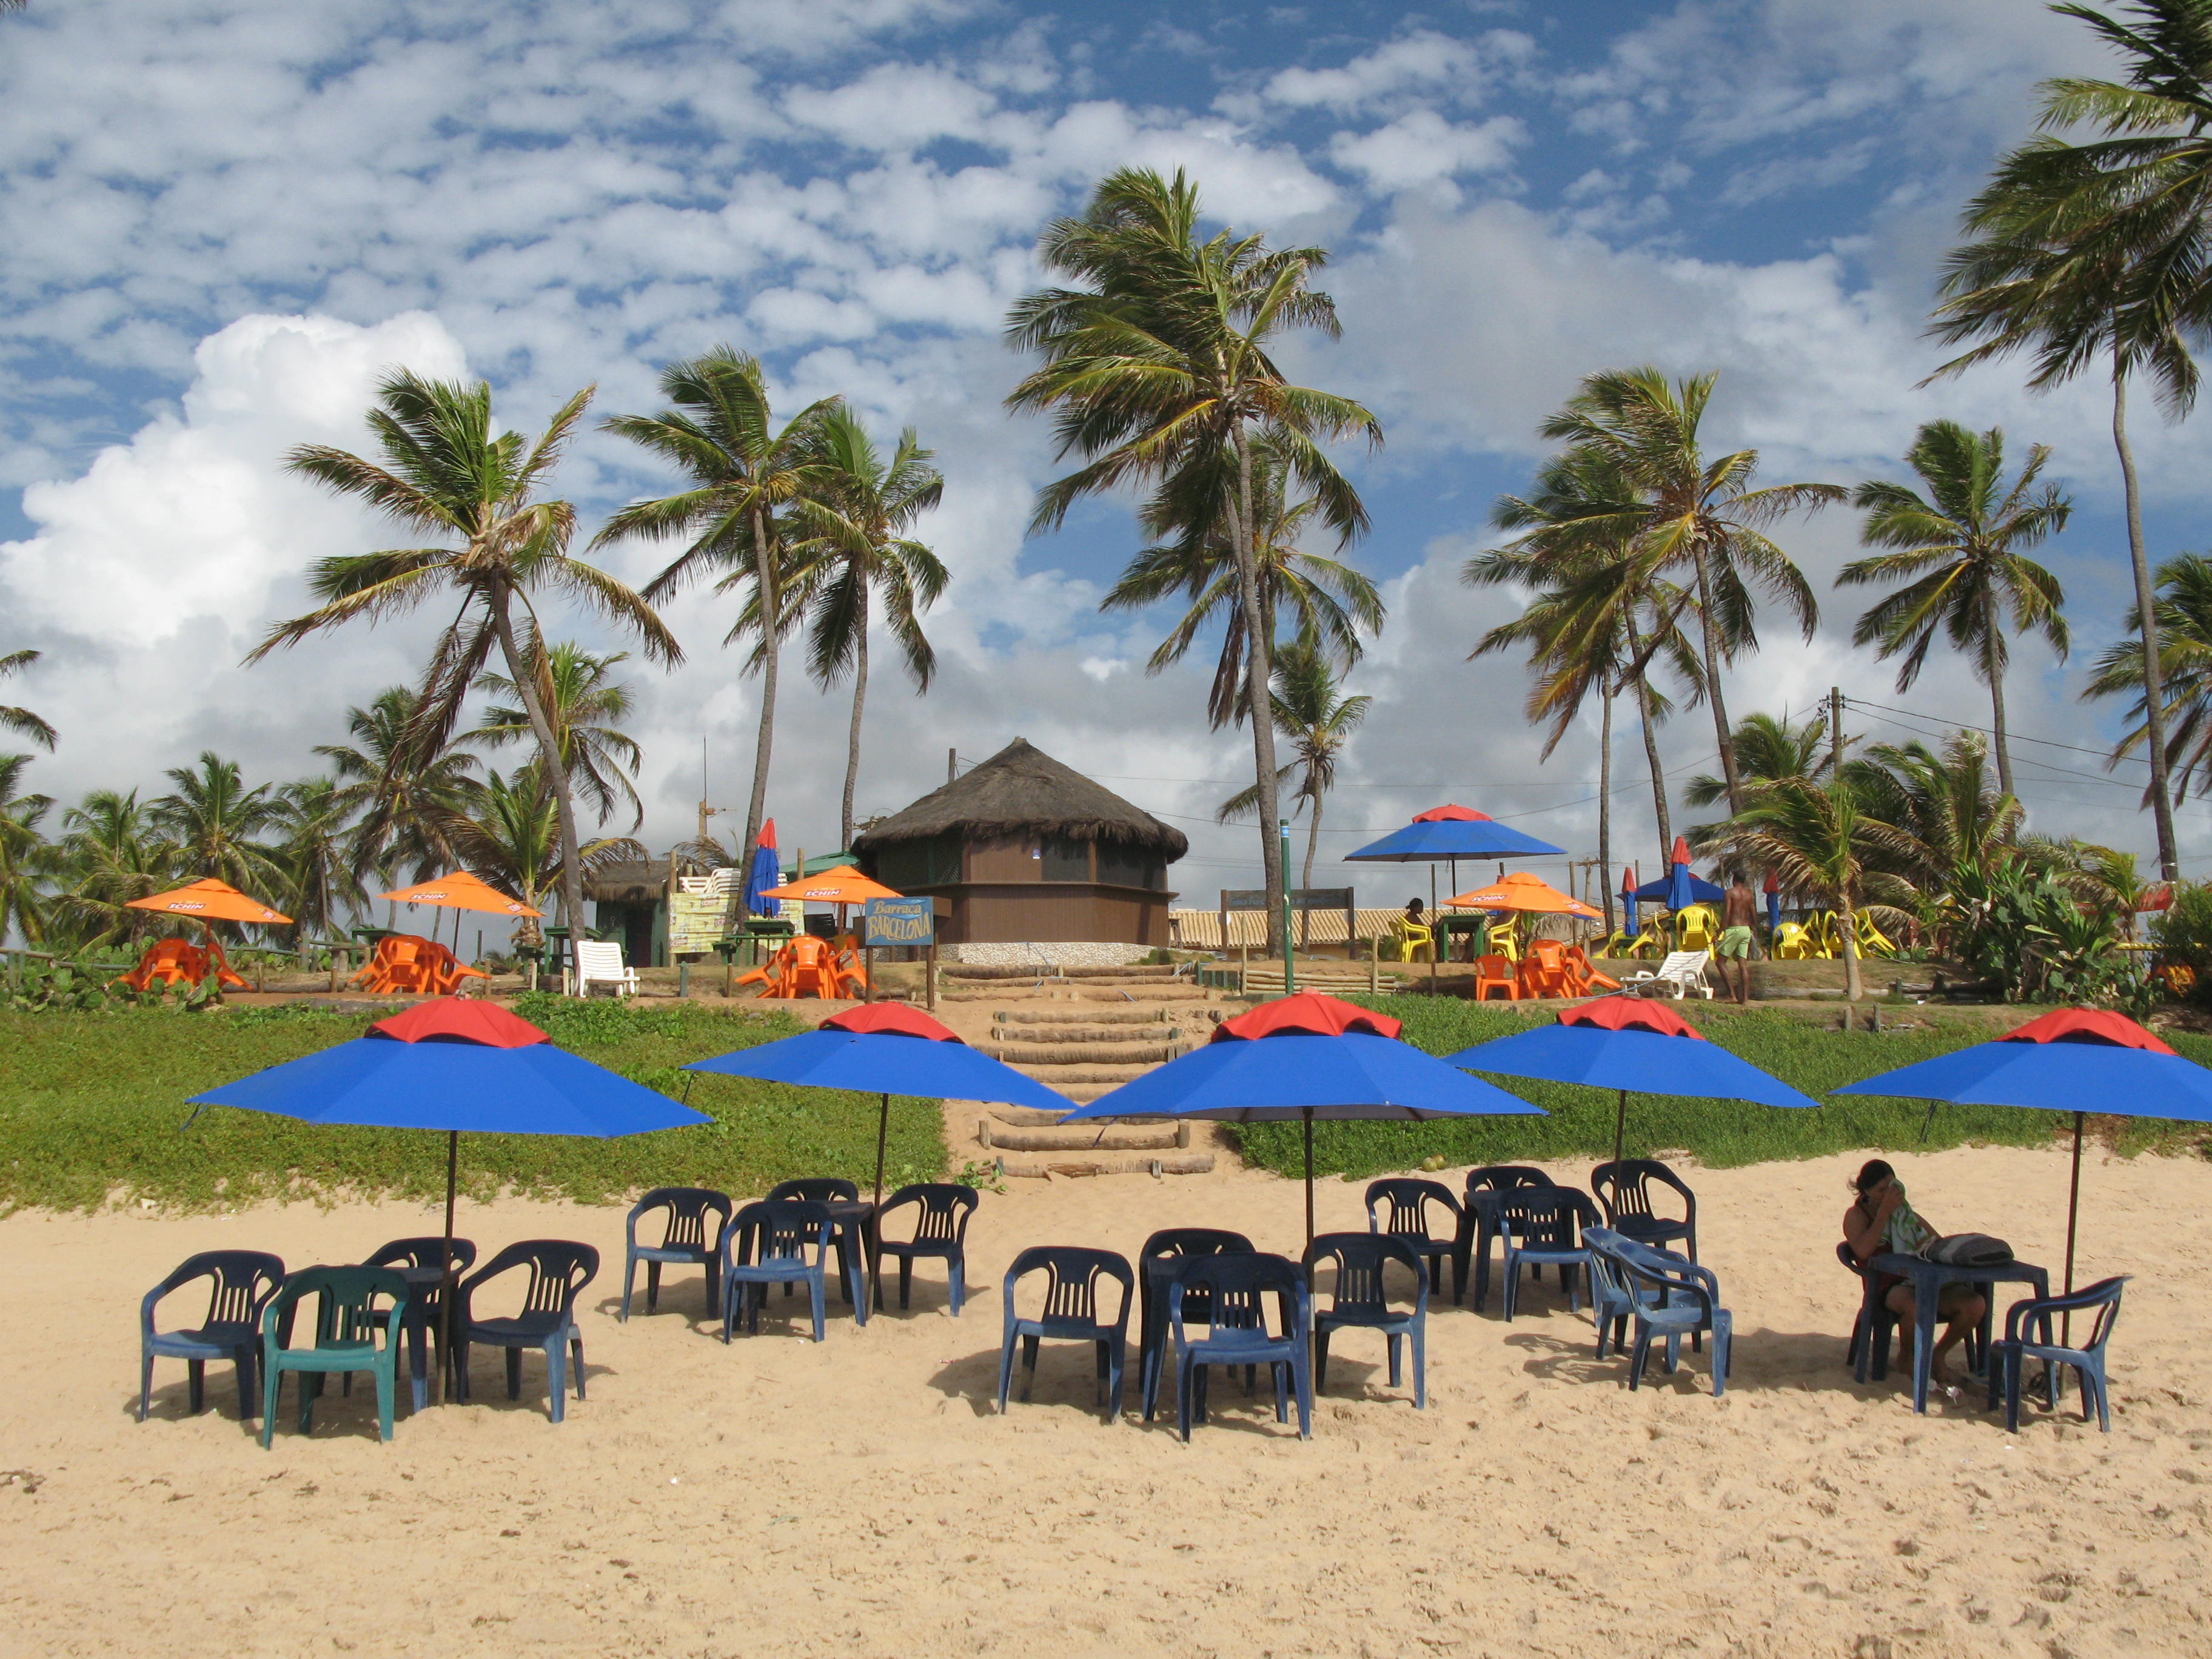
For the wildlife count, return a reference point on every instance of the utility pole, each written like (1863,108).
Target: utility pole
(1835,727)
(952,766)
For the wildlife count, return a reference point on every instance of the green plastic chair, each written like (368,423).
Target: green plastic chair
(347,1315)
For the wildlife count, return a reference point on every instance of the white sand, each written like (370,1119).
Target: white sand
(862,1497)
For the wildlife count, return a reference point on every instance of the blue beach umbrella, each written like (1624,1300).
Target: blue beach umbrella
(763,875)
(1300,1059)
(886,1048)
(1773,904)
(2071,1060)
(1628,899)
(1621,1044)
(1445,834)
(463,1067)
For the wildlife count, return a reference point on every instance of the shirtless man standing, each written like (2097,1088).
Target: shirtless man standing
(1737,908)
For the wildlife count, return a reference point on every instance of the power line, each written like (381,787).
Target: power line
(1991,732)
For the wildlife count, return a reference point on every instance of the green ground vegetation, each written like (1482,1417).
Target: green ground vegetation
(91,1106)
(1809,1054)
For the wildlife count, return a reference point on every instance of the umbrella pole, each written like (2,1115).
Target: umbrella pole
(1620,1126)
(883,1130)
(1436,927)
(445,1287)
(2073,1210)
(1307,1114)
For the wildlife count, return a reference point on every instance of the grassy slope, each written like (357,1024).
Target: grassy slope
(1718,1133)
(90,1106)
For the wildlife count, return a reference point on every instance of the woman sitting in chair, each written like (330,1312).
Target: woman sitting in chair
(1881,1220)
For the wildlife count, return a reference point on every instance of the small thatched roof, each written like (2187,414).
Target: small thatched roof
(1021,790)
(627,881)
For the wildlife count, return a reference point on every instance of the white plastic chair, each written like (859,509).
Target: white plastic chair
(599,962)
(1683,971)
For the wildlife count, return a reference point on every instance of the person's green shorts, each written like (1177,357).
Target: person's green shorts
(1736,944)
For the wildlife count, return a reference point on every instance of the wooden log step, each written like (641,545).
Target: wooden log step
(1185,1163)
(1081,1053)
(1084,1138)
(1026,1117)
(1058,1077)
(1061,1034)
(1107,1017)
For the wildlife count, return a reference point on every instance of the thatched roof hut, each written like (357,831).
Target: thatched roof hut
(1023,791)
(1026,848)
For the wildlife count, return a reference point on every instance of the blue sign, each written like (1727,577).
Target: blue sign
(900,921)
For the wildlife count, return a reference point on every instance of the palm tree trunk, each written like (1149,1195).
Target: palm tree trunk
(1993,671)
(1605,797)
(1711,643)
(771,619)
(1259,650)
(2161,798)
(1847,919)
(1652,756)
(859,697)
(556,772)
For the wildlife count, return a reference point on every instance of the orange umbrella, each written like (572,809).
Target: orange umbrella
(841,885)
(1524,892)
(461,891)
(211,900)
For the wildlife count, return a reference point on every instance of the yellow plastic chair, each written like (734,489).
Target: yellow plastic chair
(1873,942)
(1411,937)
(1827,938)
(1697,928)
(1792,943)
(1505,941)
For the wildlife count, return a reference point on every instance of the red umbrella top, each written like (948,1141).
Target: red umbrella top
(1451,814)
(460,1019)
(1621,1014)
(889,1019)
(1306,1014)
(2087,1025)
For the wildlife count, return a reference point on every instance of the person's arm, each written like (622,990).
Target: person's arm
(1867,1241)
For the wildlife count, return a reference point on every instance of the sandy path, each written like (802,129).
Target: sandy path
(863,1498)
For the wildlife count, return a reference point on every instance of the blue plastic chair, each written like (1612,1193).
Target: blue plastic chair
(940,1233)
(351,1304)
(1876,1323)
(2087,1359)
(1359,1299)
(1541,1228)
(767,1243)
(1674,1298)
(415,1260)
(1476,1222)
(685,1239)
(851,1248)
(1612,1306)
(1072,1273)
(1172,1244)
(1624,1190)
(242,1282)
(559,1270)
(1404,1203)
(1237,1288)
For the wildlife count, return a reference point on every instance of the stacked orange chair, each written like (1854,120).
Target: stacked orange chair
(1494,973)
(401,965)
(167,962)
(1544,971)
(1582,979)
(810,967)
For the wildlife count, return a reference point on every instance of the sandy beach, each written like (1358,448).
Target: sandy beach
(863,1495)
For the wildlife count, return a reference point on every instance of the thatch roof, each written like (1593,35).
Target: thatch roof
(1021,790)
(627,881)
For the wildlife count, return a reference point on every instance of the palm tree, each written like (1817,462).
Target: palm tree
(857,520)
(2083,252)
(1818,841)
(403,802)
(1959,553)
(216,824)
(744,471)
(1683,511)
(1157,371)
(1311,711)
(1597,619)
(579,692)
(1329,599)
(1768,749)
(448,474)
(22,721)
(110,851)
(511,837)
(1946,818)
(22,844)
(2184,627)
(313,845)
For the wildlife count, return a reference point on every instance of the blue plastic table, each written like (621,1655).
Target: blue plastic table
(1928,1280)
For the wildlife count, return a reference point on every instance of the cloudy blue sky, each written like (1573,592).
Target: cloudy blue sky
(220,219)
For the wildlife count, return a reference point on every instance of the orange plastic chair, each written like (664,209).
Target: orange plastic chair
(1544,971)
(166,961)
(1495,973)
(1582,979)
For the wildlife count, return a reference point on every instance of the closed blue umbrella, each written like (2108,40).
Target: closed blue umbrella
(459,1065)
(1628,896)
(2071,1060)
(763,875)
(1300,1059)
(1617,1043)
(1773,904)
(885,1048)
(1680,896)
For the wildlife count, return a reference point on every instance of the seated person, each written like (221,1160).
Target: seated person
(1882,1220)
(1415,917)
